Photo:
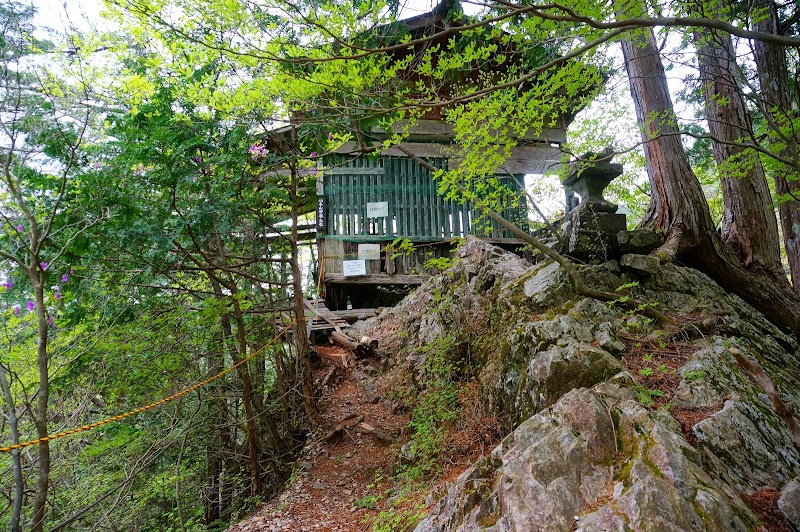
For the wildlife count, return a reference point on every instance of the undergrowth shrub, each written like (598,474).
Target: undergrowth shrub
(436,409)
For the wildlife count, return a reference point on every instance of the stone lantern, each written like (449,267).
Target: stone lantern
(590,229)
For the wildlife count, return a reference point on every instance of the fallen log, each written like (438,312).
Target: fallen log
(362,349)
(371,342)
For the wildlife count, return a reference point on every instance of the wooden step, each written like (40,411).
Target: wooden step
(321,318)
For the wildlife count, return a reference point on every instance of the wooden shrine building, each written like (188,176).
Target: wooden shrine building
(368,202)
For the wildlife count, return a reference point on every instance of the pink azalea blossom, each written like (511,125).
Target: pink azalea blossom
(43,265)
(31,305)
(9,285)
(257,150)
(20,228)
(65,278)
(57,295)
(16,310)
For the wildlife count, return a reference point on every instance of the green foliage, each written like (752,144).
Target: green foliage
(368,502)
(398,520)
(646,395)
(439,263)
(154,170)
(695,375)
(627,286)
(399,247)
(435,409)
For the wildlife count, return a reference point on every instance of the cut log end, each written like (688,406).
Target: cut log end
(362,349)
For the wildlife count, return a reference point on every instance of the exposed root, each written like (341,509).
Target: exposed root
(784,410)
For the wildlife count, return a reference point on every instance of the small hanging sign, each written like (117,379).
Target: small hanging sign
(351,268)
(369,251)
(378,210)
(321,214)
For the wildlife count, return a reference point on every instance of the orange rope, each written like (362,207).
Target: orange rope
(172,397)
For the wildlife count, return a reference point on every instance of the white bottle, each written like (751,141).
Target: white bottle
(349,304)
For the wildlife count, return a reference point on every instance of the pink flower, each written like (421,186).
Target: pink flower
(57,295)
(43,265)
(20,228)
(65,278)
(16,310)
(9,285)
(313,154)
(257,150)
(31,305)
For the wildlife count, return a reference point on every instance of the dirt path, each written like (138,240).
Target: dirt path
(335,478)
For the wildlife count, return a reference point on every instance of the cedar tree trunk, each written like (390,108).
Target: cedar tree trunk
(773,78)
(749,225)
(677,203)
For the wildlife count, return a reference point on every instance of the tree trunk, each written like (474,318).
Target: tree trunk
(675,190)
(677,203)
(16,463)
(300,338)
(773,78)
(749,226)
(249,413)
(247,399)
(219,440)
(263,418)
(42,398)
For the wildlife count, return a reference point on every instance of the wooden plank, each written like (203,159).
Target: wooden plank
(415,205)
(320,311)
(331,252)
(342,199)
(414,190)
(403,181)
(400,194)
(455,211)
(337,278)
(368,191)
(336,208)
(426,218)
(355,314)
(437,208)
(368,170)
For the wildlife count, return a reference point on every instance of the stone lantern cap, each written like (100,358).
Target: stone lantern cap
(589,176)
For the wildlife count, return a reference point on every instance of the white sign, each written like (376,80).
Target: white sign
(378,210)
(351,268)
(369,251)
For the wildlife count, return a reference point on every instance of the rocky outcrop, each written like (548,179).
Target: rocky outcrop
(789,503)
(596,460)
(588,450)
